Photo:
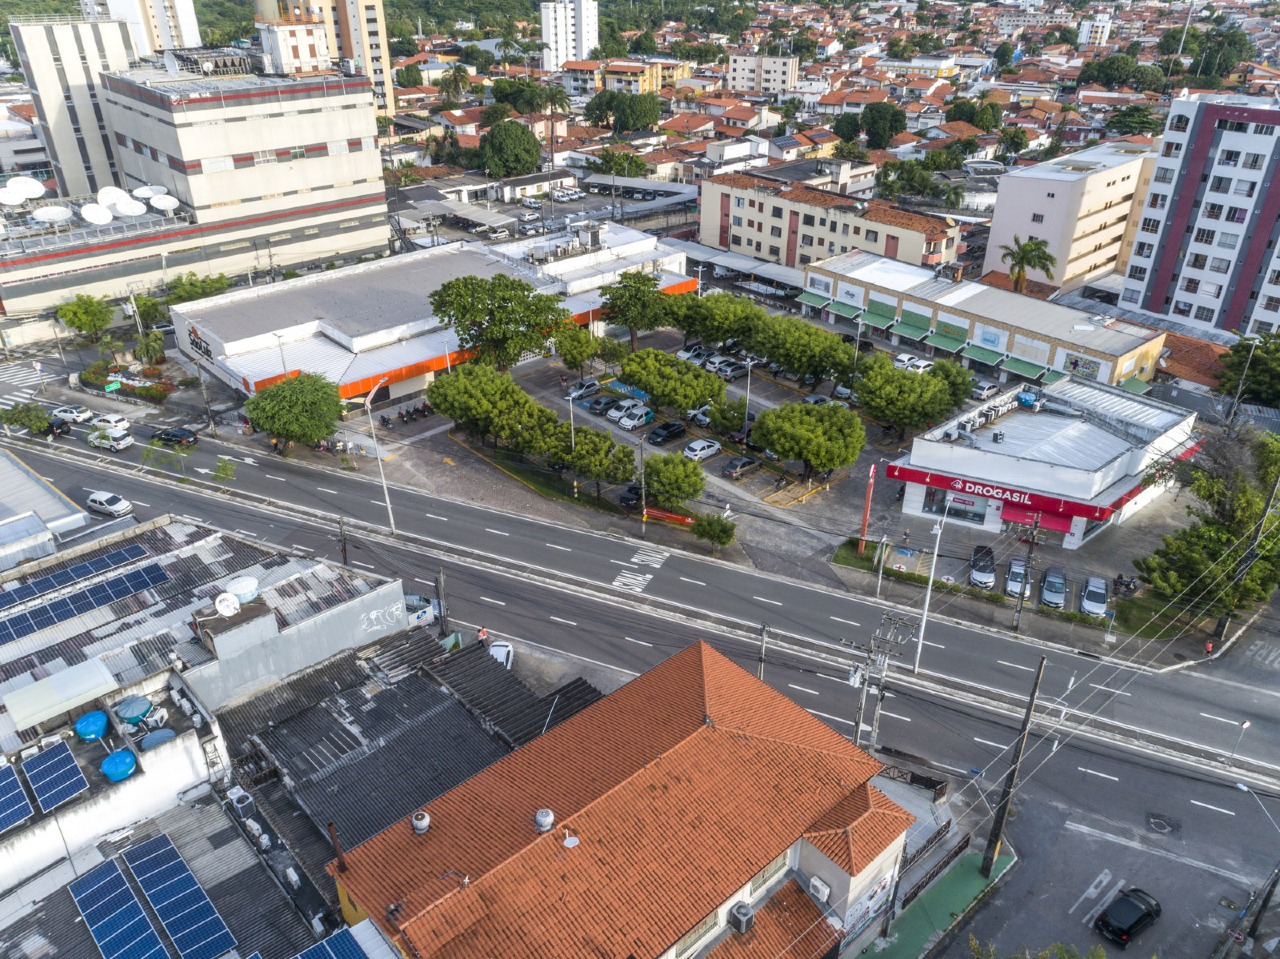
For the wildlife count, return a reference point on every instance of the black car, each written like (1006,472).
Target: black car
(602,404)
(740,466)
(1129,914)
(57,427)
(630,496)
(175,436)
(666,432)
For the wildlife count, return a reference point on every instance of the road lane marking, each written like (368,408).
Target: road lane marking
(496,532)
(557,619)
(1153,850)
(638,642)
(811,692)
(1118,692)
(1015,665)
(1205,805)
(934,645)
(834,719)
(423,581)
(496,602)
(772,602)
(325,489)
(356,562)
(278,479)
(696,582)
(443,519)
(1219,719)
(245,532)
(847,622)
(621,563)
(988,742)
(1091,772)
(905,719)
(559,547)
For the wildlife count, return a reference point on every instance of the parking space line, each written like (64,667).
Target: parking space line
(1118,692)
(1205,805)
(1153,850)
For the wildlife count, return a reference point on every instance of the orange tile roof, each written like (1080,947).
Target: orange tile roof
(680,787)
(588,65)
(1191,359)
(881,211)
(788,926)
(1002,281)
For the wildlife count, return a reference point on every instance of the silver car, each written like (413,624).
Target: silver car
(1093,598)
(1016,579)
(1053,588)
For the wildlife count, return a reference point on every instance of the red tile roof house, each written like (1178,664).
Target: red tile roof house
(637,826)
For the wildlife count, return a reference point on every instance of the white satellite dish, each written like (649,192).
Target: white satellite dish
(143,193)
(51,214)
(111,195)
(165,204)
(95,213)
(171,63)
(226,604)
(128,208)
(10,197)
(29,188)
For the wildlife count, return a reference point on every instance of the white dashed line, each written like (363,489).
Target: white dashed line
(443,519)
(811,692)
(1015,665)
(1219,719)
(988,742)
(621,563)
(1117,692)
(847,622)
(638,642)
(905,719)
(696,582)
(496,532)
(565,549)
(771,602)
(1091,772)
(278,479)
(356,562)
(325,489)
(496,602)
(1205,805)
(557,619)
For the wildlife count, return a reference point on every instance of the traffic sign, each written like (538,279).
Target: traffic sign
(113,385)
(38,366)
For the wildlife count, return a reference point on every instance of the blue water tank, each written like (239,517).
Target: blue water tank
(120,765)
(1027,399)
(92,726)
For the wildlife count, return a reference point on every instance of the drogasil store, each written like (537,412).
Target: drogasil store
(1074,457)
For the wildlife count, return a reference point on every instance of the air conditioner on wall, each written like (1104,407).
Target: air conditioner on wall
(819,890)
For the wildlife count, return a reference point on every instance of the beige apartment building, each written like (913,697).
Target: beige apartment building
(757,74)
(795,224)
(1078,204)
(359,44)
(631,76)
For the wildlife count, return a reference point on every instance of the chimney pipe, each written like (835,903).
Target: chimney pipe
(337,848)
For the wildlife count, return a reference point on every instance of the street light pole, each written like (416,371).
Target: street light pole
(644,504)
(573,447)
(928,590)
(1243,726)
(386,493)
(746,409)
(285,366)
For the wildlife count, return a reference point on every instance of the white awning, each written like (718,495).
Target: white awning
(60,693)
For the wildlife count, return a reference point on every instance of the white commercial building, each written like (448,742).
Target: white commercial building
(757,74)
(570,29)
(1071,458)
(1078,204)
(1095,31)
(155,24)
(1206,251)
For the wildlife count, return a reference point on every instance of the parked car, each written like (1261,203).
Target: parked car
(1016,580)
(699,415)
(1053,588)
(175,436)
(666,432)
(713,364)
(532,203)
(732,371)
(817,399)
(1093,598)
(528,217)
(1131,912)
(73,414)
(687,352)
(700,450)
(843,392)
(983,390)
(501,233)
(982,567)
(636,417)
(531,229)
(903,361)
(584,388)
(622,408)
(602,404)
(109,504)
(110,421)
(114,440)
(56,426)
(741,466)
(631,496)
(921,366)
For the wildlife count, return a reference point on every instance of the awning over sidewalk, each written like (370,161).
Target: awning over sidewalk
(813,299)
(847,310)
(909,331)
(877,321)
(1022,368)
(982,355)
(948,344)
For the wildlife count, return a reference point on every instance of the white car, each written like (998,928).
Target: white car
(699,415)
(109,504)
(636,417)
(114,440)
(110,421)
(528,217)
(501,233)
(702,450)
(713,365)
(623,408)
(921,366)
(903,361)
(72,414)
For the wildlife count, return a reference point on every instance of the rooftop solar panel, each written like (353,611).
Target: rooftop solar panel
(114,916)
(184,909)
(341,945)
(68,607)
(15,807)
(55,776)
(45,584)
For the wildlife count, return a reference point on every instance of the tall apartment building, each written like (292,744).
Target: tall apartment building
(570,29)
(757,74)
(61,60)
(1095,31)
(155,24)
(795,224)
(1205,249)
(358,43)
(1078,204)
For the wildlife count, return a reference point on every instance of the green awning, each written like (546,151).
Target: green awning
(875,321)
(910,332)
(1135,385)
(843,309)
(948,344)
(916,319)
(1022,368)
(813,299)
(1053,376)
(982,355)
(881,309)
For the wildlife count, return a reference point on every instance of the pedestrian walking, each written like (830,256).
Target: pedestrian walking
(275,445)
(482,636)
(906,537)
(1208,647)
(564,382)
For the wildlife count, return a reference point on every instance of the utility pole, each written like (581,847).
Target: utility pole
(764,640)
(885,642)
(884,558)
(1006,794)
(342,538)
(1026,577)
(444,605)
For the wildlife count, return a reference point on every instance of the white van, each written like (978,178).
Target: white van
(533,203)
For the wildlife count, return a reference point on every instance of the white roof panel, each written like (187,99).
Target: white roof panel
(60,693)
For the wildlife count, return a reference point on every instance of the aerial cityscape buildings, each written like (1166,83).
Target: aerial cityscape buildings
(570,30)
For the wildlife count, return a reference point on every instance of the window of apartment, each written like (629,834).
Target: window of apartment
(777,213)
(1220,184)
(1229,158)
(1131,296)
(1253,161)
(1271,303)
(1164,174)
(736,221)
(775,231)
(1171,150)
(1197,261)
(739,202)
(1137,273)
(1150,225)
(1245,188)
(1211,289)
(806,239)
(1190,285)
(1051,195)
(699,932)
(1212,211)
(873,236)
(1143,250)
(1237,214)
(1233,126)
(1265,129)
(1037,217)
(1205,313)
(1219,265)
(822,241)
(807,219)
(735,240)
(768,874)
(773,251)
(1181,308)
(1228,241)
(1205,236)
(1274,278)
(1157,201)
(1179,123)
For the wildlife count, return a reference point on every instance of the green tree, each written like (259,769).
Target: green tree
(958,380)
(671,479)
(225,471)
(634,301)
(1014,139)
(848,150)
(882,122)
(188,286)
(500,318)
(1262,382)
(645,44)
(1114,71)
(495,113)
(961,110)
(612,352)
(149,346)
(31,417)
(1021,257)
(671,381)
(410,76)
(598,457)
(150,311)
(455,83)
(1134,119)
(576,345)
(902,398)
(988,117)
(1171,41)
(823,437)
(728,415)
(477,397)
(510,149)
(714,529)
(302,409)
(1004,54)
(110,347)
(636,111)
(798,345)
(847,127)
(159,456)
(402,47)
(716,317)
(618,163)
(90,315)
(1149,78)
(555,99)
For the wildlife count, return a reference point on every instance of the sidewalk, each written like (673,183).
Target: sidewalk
(939,908)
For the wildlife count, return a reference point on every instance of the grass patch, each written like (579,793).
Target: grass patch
(544,482)
(1148,617)
(847,555)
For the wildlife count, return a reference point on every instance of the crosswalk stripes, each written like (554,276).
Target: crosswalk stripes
(21,374)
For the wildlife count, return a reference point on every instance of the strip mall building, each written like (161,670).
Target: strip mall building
(1073,457)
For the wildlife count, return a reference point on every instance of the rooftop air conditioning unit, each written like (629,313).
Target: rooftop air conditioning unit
(741,917)
(819,890)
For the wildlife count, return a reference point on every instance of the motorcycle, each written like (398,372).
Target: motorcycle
(425,409)
(1126,586)
(385,420)
(404,417)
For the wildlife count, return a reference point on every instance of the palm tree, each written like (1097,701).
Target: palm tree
(455,82)
(951,196)
(149,346)
(554,97)
(1032,255)
(508,44)
(530,49)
